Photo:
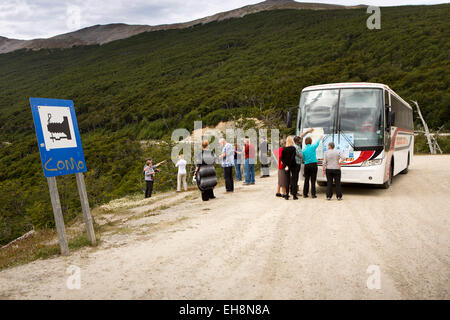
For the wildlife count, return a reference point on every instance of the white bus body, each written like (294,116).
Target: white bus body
(378,120)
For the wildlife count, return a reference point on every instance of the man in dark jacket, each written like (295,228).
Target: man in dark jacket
(289,165)
(264,158)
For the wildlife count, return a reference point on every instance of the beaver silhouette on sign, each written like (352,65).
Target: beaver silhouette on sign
(58,128)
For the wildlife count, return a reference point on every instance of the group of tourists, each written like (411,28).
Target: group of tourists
(290,157)
(231,157)
(150,170)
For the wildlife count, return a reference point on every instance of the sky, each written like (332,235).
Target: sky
(30,19)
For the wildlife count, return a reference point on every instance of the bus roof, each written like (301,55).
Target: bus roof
(355,85)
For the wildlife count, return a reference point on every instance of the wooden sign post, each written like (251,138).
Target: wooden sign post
(86,209)
(59,219)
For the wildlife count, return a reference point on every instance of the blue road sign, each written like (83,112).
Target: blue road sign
(58,136)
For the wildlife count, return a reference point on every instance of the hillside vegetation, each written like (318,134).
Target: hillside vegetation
(143,87)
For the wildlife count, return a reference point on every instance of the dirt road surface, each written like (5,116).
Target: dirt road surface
(251,245)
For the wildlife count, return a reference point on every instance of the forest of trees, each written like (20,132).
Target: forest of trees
(143,87)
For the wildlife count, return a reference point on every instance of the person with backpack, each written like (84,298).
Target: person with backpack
(149,175)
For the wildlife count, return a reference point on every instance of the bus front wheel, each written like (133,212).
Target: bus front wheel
(388,183)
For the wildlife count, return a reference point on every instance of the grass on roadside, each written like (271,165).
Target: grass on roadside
(42,244)
(34,248)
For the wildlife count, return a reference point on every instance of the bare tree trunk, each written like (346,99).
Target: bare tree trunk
(425,126)
(436,144)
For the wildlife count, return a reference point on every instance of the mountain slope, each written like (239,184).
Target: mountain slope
(101,34)
(143,87)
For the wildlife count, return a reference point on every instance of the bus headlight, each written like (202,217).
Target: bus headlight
(369,163)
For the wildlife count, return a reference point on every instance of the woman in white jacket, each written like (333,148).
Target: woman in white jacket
(181,165)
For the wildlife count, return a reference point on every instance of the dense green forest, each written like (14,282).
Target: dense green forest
(143,87)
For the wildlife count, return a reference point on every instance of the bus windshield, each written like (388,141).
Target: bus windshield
(318,109)
(358,112)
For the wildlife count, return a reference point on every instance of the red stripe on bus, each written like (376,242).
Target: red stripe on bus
(365,155)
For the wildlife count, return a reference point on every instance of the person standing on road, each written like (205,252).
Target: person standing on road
(298,164)
(309,156)
(281,185)
(149,175)
(289,164)
(298,160)
(249,164)
(227,164)
(331,165)
(205,173)
(264,158)
(181,165)
(238,161)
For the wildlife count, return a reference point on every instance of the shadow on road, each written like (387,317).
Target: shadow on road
(369,190)
(356,189)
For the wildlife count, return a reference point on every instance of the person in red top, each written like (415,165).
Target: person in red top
(282,179)
(249,163)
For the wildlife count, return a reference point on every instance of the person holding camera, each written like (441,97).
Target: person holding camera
(149,175)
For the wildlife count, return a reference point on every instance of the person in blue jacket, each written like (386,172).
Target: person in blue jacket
(309,156)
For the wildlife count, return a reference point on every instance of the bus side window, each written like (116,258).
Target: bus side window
(403,115)
(396,108)
(398,113)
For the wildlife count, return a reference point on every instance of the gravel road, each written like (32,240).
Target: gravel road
(251,245)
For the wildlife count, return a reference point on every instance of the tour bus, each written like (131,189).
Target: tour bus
(370,124)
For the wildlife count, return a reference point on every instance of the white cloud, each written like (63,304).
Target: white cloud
(29,19)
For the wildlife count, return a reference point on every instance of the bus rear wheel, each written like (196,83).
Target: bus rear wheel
(407,167)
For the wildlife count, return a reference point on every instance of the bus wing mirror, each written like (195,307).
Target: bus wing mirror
(289,119)
(392,118)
